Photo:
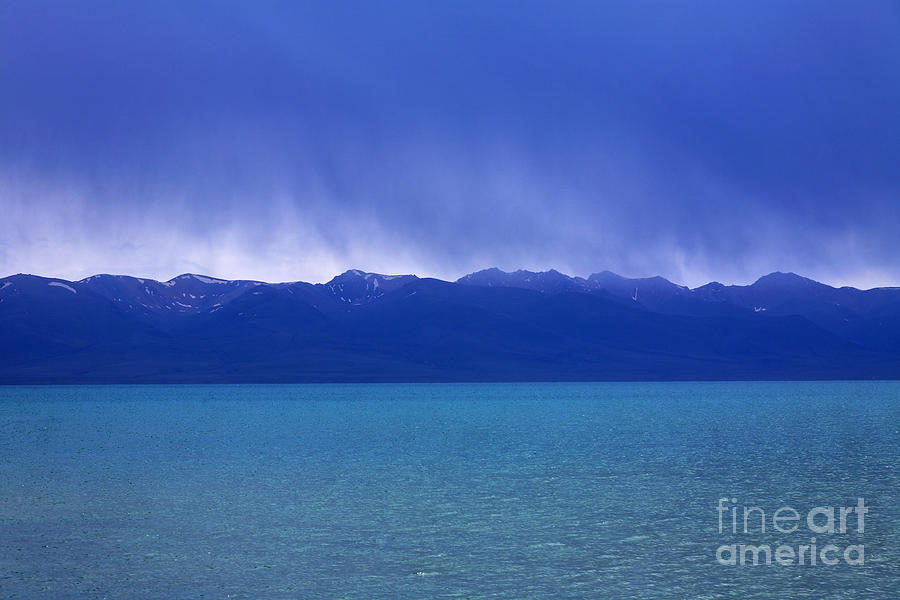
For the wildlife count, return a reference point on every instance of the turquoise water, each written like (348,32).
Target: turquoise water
(438,491)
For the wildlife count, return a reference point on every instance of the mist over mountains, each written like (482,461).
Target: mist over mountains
(486,326)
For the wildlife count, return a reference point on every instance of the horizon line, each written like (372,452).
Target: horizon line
(365,272)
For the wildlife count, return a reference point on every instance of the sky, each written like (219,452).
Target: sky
(285,141)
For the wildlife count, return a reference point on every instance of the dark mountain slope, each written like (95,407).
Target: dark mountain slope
(492,326)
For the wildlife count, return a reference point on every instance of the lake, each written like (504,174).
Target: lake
(562,490)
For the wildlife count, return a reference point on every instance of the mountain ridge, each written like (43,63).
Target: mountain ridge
(774,275)
(488,325)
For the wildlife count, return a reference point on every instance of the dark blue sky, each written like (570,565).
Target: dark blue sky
(290,140)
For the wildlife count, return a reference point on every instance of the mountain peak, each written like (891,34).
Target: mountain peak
(615,278)
(605,276)
(542,281)
(200,278)
(352,274)
(359,287)
(484,277)
(788,278)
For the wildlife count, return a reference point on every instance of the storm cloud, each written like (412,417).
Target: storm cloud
(291,141)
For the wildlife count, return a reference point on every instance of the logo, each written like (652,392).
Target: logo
(744,522)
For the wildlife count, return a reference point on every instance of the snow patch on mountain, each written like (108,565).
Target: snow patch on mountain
(62,285)
(205,279)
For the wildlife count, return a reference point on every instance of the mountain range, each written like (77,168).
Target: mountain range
(486,326)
